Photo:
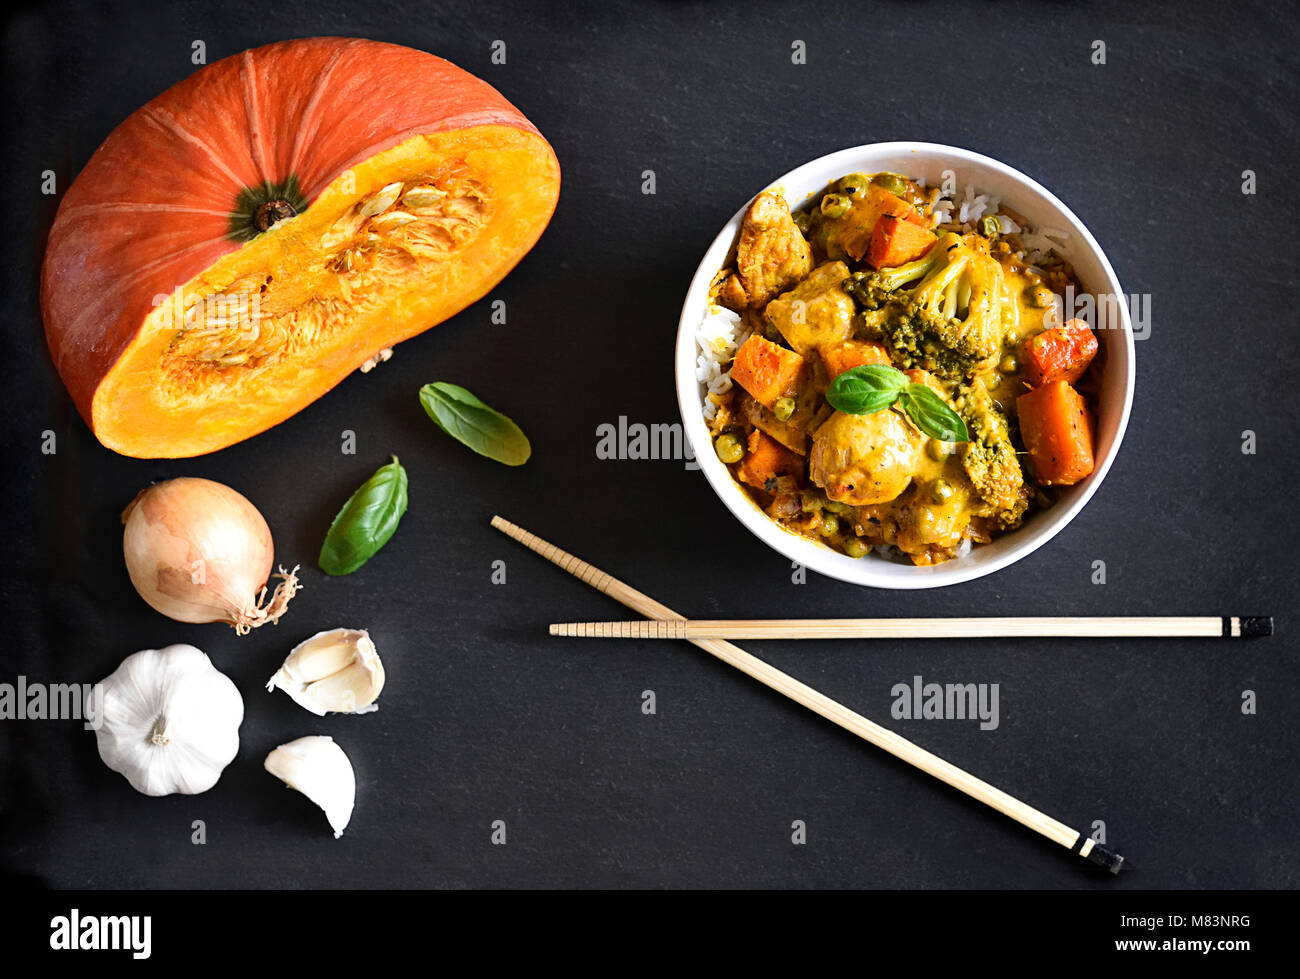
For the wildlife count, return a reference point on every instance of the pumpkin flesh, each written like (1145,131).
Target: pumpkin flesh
(402,237)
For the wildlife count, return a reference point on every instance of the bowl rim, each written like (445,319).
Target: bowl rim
(872,570)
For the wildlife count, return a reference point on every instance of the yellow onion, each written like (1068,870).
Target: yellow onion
(197,551)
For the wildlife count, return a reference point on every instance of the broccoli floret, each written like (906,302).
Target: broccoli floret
(949,324)
(960,301)
(872,290)
(916,342)
(989,458)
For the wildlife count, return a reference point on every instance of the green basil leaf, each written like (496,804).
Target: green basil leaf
(866,390)
(366,521)
(932,414)
(468,420)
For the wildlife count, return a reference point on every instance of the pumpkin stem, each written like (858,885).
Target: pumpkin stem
(272,211)
(160,736)
(257,208)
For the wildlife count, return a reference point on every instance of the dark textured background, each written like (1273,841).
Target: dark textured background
(486,718)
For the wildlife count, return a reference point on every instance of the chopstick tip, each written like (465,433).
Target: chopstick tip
(513,531)
(1257,625)
(1103,856)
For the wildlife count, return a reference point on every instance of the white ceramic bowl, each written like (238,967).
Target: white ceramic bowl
(1042,210)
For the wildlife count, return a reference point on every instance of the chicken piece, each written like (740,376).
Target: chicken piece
(731,293)
(790,433)
(815,313)
(772,254)
(928,522)
(864,459)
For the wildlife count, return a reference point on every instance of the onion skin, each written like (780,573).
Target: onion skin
(197,551)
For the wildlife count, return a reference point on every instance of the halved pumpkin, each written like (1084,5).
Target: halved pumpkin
(250,237)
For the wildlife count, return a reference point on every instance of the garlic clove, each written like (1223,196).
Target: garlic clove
(318,768)
(336,671)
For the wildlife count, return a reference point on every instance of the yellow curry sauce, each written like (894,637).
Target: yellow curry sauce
(957,319)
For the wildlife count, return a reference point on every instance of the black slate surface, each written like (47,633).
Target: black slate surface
(484,717)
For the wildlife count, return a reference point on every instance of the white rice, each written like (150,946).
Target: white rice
(719,335)
(1039,246)
(967,209)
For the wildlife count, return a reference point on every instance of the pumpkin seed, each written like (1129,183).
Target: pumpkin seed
(382,200)
(342,229)
(270,339)
(376,360)
(425,195)
(391,220)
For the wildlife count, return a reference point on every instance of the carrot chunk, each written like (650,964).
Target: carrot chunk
(1057,430)
(887,203)
(1060,354)
(857,227)
(897,241)
(767,459)
(843,356)
(767,370)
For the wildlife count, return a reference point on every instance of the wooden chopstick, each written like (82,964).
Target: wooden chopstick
(970,628)
(819,703)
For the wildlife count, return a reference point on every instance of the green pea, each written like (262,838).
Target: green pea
(729,448)
(941,491)
(937,450)
(855,548)
(810,502)
(1009,364)
(835,506)
(1012,336)
(891,182)
(802,221)
(855,184)
(830,524)
(835,206)
(783,409)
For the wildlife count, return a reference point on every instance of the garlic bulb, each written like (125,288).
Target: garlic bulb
(170,721)
(336,671)
(319,769)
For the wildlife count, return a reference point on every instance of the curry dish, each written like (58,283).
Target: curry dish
(862,297)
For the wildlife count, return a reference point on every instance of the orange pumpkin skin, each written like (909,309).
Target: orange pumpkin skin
(150,218)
